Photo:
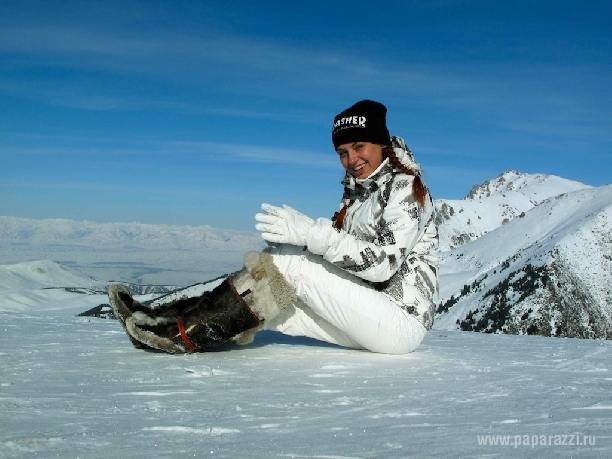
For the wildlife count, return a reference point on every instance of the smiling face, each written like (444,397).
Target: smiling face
(360,159)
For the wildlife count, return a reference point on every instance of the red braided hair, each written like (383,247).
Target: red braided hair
(418,187)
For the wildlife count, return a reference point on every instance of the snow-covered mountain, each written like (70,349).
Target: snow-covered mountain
(548,272)
(138,235)
(495,203)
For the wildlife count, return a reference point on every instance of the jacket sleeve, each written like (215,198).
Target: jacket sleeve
(398,228)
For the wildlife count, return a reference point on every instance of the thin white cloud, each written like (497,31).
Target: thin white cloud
(214,151)
(232,62)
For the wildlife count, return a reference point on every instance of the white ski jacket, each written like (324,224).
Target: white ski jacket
(387,239)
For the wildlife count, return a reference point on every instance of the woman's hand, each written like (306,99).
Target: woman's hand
(283,225)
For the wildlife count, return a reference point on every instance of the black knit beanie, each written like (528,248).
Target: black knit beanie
(366,121)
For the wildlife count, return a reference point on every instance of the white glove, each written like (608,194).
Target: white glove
(283,225)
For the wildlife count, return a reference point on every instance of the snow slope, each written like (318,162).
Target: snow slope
(42,274)
(561,252)
(44,285)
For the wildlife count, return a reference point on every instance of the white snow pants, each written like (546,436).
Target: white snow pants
(339,308)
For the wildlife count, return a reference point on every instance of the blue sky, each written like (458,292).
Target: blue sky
(196,112)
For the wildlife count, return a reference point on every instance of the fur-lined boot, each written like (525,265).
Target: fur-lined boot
(232,312)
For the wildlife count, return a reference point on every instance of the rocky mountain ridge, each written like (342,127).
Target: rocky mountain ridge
(495,203)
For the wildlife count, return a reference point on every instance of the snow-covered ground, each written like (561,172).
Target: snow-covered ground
(75,387)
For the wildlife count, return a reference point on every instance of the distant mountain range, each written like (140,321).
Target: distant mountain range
(51,232)
(128,252)
(520,254)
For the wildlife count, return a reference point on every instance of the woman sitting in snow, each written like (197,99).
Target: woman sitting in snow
(367,279)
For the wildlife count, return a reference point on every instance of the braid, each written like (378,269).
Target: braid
(418,187)
(339,216)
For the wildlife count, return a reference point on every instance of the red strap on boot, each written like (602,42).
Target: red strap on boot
(181,328)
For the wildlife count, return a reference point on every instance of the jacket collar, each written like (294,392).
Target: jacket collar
(372,183)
